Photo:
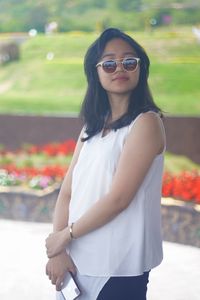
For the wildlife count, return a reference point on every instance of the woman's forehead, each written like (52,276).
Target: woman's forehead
(117,47)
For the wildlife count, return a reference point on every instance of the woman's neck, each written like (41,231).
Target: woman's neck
(118,106)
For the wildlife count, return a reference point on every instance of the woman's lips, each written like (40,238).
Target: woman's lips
(120,78)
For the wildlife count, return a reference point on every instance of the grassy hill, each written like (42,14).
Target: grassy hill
(57,86)
(86,15)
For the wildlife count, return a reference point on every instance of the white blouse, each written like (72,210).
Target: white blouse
(131,243)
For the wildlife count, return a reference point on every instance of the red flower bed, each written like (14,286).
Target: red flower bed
(51,171)
(184,186)
(65,148)
(35,166)
(22,168)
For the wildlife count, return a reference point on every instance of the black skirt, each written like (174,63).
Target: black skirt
(125,288)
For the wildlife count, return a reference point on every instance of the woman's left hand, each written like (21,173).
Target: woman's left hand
(56,243)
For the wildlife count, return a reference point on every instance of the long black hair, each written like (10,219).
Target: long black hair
(96,107)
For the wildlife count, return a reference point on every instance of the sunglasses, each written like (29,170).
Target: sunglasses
(129,64)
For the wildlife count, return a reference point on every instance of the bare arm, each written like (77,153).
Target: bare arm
(61,213)
(144,142)
(58,265)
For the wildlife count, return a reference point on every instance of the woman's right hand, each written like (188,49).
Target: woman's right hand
(57,267)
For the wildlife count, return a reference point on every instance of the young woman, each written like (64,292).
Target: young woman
(107,224)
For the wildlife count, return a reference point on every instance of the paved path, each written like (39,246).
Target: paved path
(22,265)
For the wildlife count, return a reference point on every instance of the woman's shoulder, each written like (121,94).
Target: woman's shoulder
(148,118)
(148,126)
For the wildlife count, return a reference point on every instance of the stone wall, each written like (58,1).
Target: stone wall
(183,136)
(181,221)
(18,129)
(182,132)
(34,206)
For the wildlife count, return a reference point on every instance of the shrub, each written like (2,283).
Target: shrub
(9,52)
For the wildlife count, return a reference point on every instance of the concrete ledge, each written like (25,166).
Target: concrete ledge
(36,206)
(181,222)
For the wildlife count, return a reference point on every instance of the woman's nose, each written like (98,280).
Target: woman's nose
(120,66)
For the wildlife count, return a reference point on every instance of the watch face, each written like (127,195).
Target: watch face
(70,290)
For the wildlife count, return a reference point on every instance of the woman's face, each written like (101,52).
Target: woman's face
(120,81)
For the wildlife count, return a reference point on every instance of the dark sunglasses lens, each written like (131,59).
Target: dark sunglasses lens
(130,64)
(109,66)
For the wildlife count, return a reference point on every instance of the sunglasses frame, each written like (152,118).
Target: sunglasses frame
(119,61)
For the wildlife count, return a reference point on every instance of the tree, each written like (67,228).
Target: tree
(38,18)
(129,5)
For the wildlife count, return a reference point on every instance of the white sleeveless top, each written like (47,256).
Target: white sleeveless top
(131,243)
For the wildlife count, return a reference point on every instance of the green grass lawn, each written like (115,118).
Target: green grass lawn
(35,85)
(175,164)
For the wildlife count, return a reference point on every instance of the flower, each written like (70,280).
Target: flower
(36,166)
(40,166)
(184,186)
(40,182)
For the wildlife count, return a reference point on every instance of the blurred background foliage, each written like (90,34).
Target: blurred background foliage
(49,79)
(22,15)
(46,73)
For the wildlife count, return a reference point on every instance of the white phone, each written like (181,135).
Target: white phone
(70,289)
